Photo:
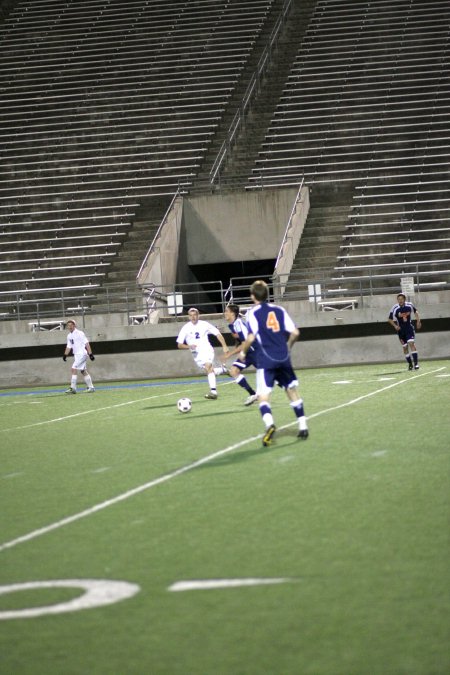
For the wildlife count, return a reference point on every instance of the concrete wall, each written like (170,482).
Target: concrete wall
(149,363)
(246,225)
(178,363)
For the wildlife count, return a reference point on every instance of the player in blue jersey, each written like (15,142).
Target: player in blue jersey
(400,318)
(239,330)
(274,332)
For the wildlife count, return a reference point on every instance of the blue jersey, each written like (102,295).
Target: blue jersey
(271,326)
(239,329)
(402,315)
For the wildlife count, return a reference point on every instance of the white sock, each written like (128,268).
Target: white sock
(73,382)
(88,380)
(212,381)
(268,420)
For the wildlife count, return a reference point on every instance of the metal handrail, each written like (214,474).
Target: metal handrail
(120,299)
(157,234)
(248,95)
(285,236)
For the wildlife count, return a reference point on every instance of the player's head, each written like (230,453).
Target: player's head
(259,291)
(401,297)
(71,325)
(231,312)
(193,314)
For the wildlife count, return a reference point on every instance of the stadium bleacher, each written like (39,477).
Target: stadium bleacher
(105,104)
(108,104)
(367,103)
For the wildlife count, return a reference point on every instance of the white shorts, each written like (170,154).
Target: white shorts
(203,356)
(79,361)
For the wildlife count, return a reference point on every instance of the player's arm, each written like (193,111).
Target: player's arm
(394,323)
(293,337)
(221,339)
(88,348)
(418,320)
(235,350)
(245,346)
(181,340)
(183,345)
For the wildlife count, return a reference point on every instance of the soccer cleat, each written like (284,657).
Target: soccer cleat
(410,367)
(303,433)
(416,367)
(212,396)
(251,399)
(89,390)
(267,438)
(226,370)
(70,391)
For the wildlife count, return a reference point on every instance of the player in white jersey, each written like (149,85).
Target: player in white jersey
(194,336)
(78,344)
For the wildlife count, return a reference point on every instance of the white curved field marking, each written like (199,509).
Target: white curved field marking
(98,592)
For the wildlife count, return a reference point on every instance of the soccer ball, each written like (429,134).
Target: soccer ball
(184,405)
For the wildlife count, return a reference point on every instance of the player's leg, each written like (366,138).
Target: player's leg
(73,379)
(406,353)
(240,379)
(88,381)
(205,360)
(296,404)
(264,384)
(413,352)
(212,381)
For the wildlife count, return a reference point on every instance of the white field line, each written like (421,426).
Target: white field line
(96,410)
(364,396)
(91,411)
(184,469)
(207,584)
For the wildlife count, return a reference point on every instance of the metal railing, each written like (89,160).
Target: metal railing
(152,246)
(250,93)
(158,303)
(286,235)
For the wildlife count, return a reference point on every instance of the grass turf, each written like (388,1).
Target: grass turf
(356,517)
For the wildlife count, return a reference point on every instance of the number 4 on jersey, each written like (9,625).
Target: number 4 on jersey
(272,322)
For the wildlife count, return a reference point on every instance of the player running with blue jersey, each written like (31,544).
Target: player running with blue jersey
(239,330)
(400,318)
(274,332)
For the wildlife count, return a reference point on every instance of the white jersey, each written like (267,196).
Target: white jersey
(76,341)
(197,334)
(196,337)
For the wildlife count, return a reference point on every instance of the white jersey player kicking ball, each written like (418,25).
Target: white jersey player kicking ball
(194,336)
(78,344)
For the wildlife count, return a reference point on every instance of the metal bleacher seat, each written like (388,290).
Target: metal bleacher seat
(103,106)
(363,70)
(398,224)
(367,103)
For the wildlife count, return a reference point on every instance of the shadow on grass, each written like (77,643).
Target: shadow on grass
(394,372)
(243,455)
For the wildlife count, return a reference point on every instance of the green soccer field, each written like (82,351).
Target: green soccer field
(320,557)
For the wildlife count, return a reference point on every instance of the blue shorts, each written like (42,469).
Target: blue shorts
(250,360)
(266,378)
(406,334)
